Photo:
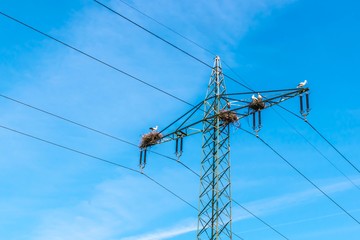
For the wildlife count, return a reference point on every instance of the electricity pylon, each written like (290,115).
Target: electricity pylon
(214,219)
(220,111)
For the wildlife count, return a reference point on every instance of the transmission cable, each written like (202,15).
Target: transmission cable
(317,150)
(247,210)
(322,136)
(192,56)
(113,137)
(166,41)
(182,36)
(300,173)
(94,58)
(115,68)
(88,128)
(233,233)
(168,28)
(204,63)
(199,60)
(100,159)
(109,162)
(152,33)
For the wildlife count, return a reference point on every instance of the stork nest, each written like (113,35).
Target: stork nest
(257,105)
(150,139)
(227,117)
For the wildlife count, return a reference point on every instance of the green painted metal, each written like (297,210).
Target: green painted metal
(214,217)
(214,210)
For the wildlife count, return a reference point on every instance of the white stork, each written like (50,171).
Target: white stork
(254,98)
(302,84)
(154,128)
(259,97)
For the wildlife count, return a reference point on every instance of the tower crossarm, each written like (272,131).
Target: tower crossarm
(186,128)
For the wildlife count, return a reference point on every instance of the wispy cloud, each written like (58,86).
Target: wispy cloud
(260,208)
(165,233)
(69,84)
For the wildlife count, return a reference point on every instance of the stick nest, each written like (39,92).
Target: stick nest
(150,139)
(227,117)
(257,105)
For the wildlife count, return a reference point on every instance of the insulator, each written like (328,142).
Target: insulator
(254,121)
(141,155)
(176,146)
(181,145)
(259,116)
(307,102)
(301,104)
(145,156)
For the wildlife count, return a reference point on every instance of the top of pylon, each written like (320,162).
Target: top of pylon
(217,61)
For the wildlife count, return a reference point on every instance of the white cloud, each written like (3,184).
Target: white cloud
(69,84)
(260,208)
(166,233)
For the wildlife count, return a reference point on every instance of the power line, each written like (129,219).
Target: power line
(69,149)
(100,159)
(153,34)
(301,221)
(168,190)
(260,219)
(106,161)
(199,60)
(168,28)
(66,119)
(166,41)
(113,137)
(342,155)
(83,126)
(182,36)
(237,236)
(116,138)
(317,150)
(322,136)
(113,66)
(306,178)
(94,58)
(89,128)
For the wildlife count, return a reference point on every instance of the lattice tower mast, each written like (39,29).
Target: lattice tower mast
(214,218)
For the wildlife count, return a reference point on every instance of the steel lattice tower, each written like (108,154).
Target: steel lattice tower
(214,212)
(214,219)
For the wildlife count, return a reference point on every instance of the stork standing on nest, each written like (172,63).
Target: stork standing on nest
(259,97)
(254,98)
(302,84)
(153,128)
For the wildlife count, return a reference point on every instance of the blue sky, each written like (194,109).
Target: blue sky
(50,193)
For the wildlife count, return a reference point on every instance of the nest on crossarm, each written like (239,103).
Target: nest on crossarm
(257,105)
(227,117)
(150,139)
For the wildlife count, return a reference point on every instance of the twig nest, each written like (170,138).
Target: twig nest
(150,139)
(227,117)
(257,105)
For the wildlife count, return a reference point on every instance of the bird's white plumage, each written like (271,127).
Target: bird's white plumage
(254,98)
(259,97)
(302,84)
(154,128)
